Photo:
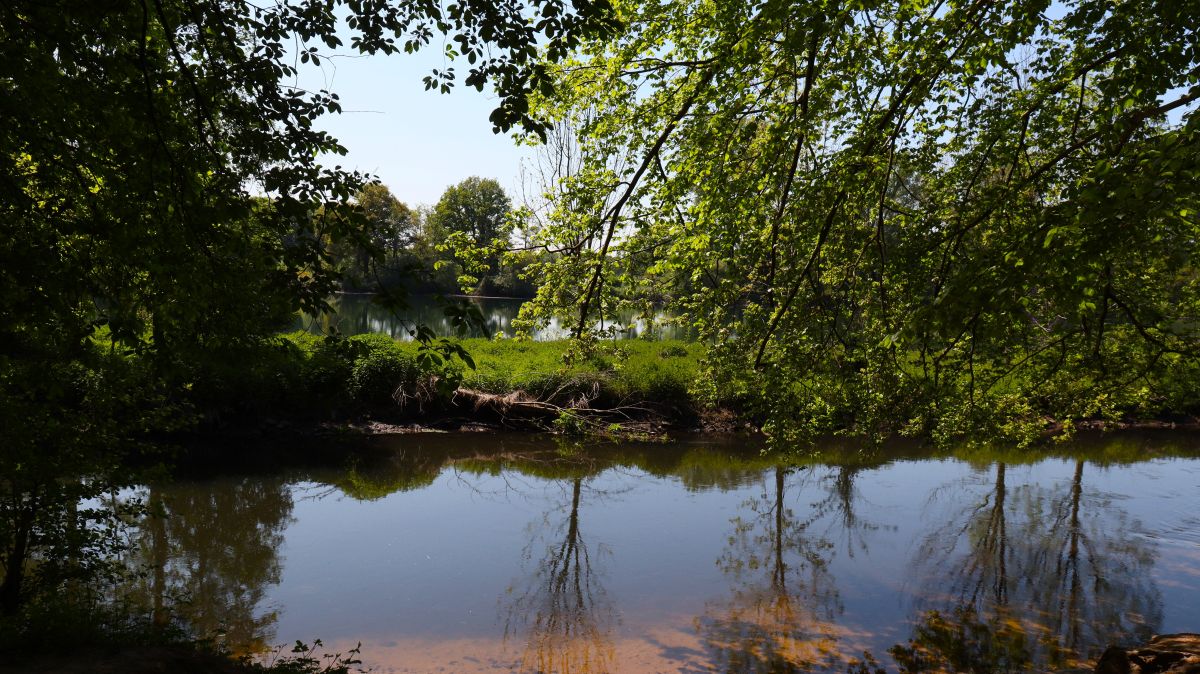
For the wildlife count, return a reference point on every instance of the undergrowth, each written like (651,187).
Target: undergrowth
(301,375)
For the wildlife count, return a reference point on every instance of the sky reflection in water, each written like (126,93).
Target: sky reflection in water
(469,553)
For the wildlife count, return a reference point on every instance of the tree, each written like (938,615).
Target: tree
(897,217)
(471,220)
(477,207)
(394,224)
(391,228)
(163,204)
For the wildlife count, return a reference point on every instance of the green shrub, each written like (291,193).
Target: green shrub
(258,377)
(330,376)
(381,366)
(673,351)
(659,372)
(327,371)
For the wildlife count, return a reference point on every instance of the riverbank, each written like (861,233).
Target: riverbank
(81,632)
(372,382)
(632,389)
(181,659)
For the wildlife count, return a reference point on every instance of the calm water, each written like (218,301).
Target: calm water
(358,314)
(484,552)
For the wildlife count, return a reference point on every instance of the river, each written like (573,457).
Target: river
(482,552)
(359,314)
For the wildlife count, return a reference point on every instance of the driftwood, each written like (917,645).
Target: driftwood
(567,410)
(576,407)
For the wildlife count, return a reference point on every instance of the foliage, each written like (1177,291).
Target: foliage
(390,229)
(471,222)
(78,620)
(304,376)
(82,634)
(894,217)
(390,219)
(380,367)
(64,424)
(303,659)
(634,371)
(161,180)
(460,245)
(477,207)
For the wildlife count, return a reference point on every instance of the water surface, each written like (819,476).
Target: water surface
(491,552)
(360,314)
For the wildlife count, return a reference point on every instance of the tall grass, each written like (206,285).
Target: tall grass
(300,375)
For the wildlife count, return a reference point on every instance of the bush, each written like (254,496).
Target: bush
(250,379)
(634,370)
(305,375)
(327,365)
(381,366)
(662,373)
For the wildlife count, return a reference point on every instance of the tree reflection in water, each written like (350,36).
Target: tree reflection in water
(211,556)
(561,611)
(1033,577)
(780,615)
(846,528)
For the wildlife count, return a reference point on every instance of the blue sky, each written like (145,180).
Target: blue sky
(417,142)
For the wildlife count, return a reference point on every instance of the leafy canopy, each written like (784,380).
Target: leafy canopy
(896,216)
(477,207)
(472,219)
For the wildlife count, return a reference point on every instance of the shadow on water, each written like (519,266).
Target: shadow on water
(208,554)
(840,560)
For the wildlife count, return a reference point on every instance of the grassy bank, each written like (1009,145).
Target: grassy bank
(634,387)
(515,384)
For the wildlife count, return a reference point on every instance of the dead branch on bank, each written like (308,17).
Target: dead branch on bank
(563,411)
(575,407)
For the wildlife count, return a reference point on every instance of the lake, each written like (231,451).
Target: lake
(483,552)
(359,314)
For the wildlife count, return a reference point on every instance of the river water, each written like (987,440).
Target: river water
(358,314)
(481,552)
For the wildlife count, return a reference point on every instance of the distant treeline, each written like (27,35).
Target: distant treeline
(464,243)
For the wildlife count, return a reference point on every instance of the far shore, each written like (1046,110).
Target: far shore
(454,295)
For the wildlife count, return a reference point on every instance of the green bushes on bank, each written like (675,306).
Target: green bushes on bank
(379,367)
(301,375)
(632,371)
(310,378)
(343,375)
